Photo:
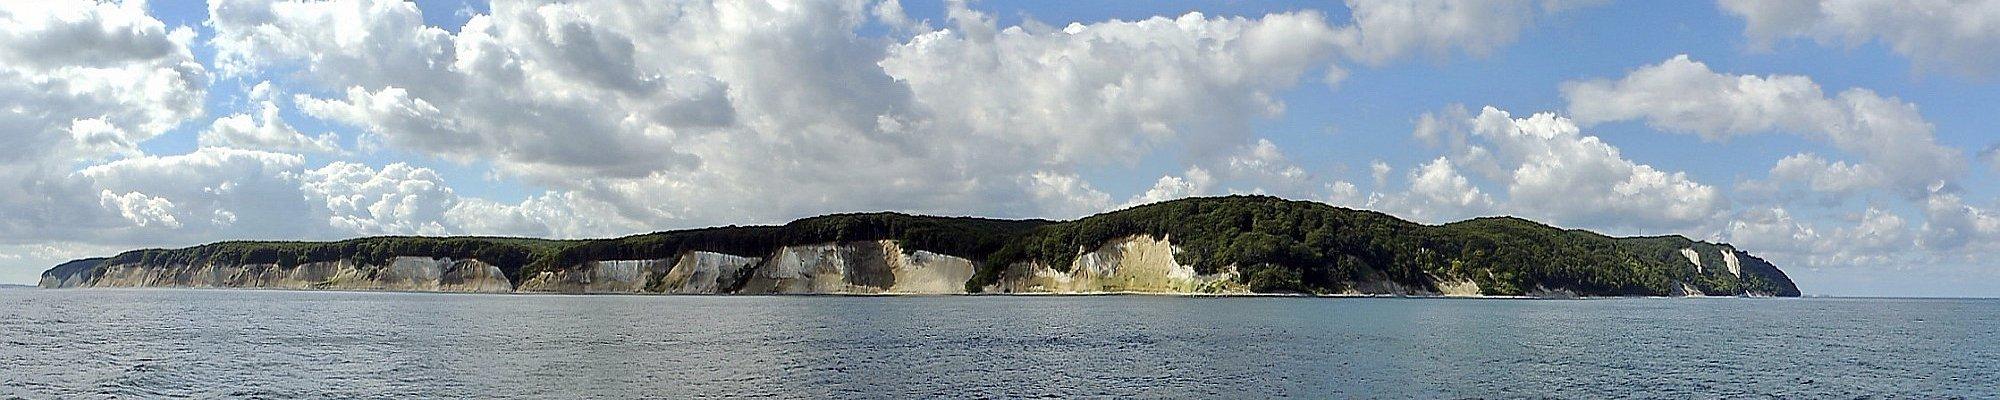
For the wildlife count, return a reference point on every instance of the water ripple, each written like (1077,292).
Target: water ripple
(274,344)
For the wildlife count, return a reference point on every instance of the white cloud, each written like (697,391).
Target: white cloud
(246,194)
(82,81)
(1872,239)
(1380,171)
(890,12)
(211,192)
(1878,232)
(1955,35)
(1682,95)
(1386,30)
(1257,168)
(525,87)
(1438,193)
(265,130)
(1952,225)
(682,114)
(550,215)
(1262,168)
(1824,176)
(1344,194)
(1195,182)
(1894,150)
(40,256)
(1113,90)
(398,199)
(1771,230)
(1992,156)
(106,62)
(1068,195)
(1553,172)
(141,209)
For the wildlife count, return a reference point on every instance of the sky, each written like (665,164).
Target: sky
(1850,142)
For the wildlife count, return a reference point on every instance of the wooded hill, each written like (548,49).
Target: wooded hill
(1276,245)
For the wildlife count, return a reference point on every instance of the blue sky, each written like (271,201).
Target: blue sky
(595,120)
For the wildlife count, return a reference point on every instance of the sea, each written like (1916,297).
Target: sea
(187,343)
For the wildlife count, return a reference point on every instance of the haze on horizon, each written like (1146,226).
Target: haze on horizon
(1852,143)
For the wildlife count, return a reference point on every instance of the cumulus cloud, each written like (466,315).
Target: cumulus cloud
(80,82)
(1344,194)
(1386,30)
(1820,175)
(112,74)
(1951,233)
(248,194)
(398,198)
(1380,171)
(1890,146)
(1953,35)
(549,215)
(1873,239)
(46,254)
(1771,229)
(681,114)
(266,130)
(1057,189)
(1195,182)
(1552,171)
(1118,88)
(1952,225)
(1682,95)
(686,114)
(1438,193)
(1992,156)
(141,209)
(646,116)
(1257,168)
(565,98)
(1262,168)
(211,191)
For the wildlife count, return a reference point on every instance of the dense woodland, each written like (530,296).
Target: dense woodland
(1276,245)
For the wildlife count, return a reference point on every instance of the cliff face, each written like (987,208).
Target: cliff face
(1134,264)
(1236,244)
(401,274)
(1138,264)
(71,274)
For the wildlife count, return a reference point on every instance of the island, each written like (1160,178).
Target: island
(1231,245)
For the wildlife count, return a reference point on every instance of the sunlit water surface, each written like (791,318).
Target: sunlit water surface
(281,344)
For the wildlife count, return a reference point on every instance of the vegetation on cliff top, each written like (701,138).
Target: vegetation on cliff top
(1279,245)
(1276,245)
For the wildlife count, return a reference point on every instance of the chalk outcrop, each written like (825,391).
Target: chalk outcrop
(1223,245)
(400,274)
(701,272)
(1692,257)
(1137,264)
(1134,264)
(867,267)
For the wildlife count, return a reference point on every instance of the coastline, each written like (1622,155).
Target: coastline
(1069,294)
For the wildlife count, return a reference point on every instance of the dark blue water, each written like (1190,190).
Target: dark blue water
(275,344)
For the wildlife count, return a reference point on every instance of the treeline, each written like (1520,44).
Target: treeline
(967,237)
(509,254)
(518,257)
(1280,245)
(1277,245)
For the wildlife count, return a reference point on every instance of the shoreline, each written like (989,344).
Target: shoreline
(1073,294)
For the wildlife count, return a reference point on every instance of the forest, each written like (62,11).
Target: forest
(1276,245)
